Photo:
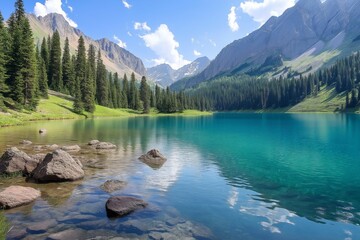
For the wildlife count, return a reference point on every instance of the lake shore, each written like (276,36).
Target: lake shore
(56,108)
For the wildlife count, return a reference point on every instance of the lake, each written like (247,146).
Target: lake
(228,176)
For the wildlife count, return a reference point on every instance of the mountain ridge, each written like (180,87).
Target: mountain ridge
(115,58)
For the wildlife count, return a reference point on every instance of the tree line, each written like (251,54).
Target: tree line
(242,92)
(28,71)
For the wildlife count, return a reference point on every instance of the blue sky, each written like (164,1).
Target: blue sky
(162,31)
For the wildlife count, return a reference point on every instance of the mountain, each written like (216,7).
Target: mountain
(115,58)
(308,36)
(164,75)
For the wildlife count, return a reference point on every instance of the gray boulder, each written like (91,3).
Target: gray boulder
(93,142)
(153,159)
(16,196)
(58,166)
(105,145)
(16,161)
(121,206)
(26,142)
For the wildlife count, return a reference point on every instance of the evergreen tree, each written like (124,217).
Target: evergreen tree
(3,60)
(125,91)
(101,82)
(42,76)
(110,91)
(132,93)
(67,75)
(119,96)
(45,53)
(80,76)
(144,95)
(55,74)
(88,95)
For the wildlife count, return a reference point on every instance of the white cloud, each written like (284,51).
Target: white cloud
(234,26)
(197,53)
(262,11)
(126,4)
(120,43)
(212,42)
(129,33)
(71,8)
(163,43)
(142,26)
(52,6)
(192,40)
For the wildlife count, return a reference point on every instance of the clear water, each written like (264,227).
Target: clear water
(228,176)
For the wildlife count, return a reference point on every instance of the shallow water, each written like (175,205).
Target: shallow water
(228,176)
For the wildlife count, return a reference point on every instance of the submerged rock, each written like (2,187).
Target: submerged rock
(105,145)
(16,196)
(58,166)
(72,234)
(93,142)
(41,227)
(26,142)
(113,185)
(153,158)
(121,206)
(16,161)
(74,148)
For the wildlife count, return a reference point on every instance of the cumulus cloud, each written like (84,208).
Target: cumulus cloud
(163,43)
(52,6)
(234,26)
(126,4)
(197,53)
(119,42)
(262,11)
(142,26)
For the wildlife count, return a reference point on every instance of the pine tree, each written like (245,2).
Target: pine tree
(55,74)
(42,77)
(89,82)
(110,92)
(80,75)
(101,82)
(119,96)
(3,75)
(45,53)
(144,95)
(67,76)
(132,92)
(125,91)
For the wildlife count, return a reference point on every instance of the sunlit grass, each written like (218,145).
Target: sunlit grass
(4,226)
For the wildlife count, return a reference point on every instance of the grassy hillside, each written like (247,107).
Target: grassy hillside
(56,108)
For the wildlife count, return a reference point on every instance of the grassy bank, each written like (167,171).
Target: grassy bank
(56,108)
(4,226)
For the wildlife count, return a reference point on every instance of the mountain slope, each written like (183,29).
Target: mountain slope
(115,58)
(164,75)
(306,37)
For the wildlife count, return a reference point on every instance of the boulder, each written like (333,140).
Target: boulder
(16,161)
(16,196)
(105,145)
(58,166)
(42,131)
(153,158)
(26,142)
(74,148)
(93,142)
(113,185)
(121,206)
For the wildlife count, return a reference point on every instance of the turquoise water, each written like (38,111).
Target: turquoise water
(233,176)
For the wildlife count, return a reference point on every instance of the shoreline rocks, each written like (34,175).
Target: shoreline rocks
(26,142)
(93,142)
(16,196)
(74,148)
(153,158)
(105,146)
(16,161)
(58,166)
(122,206)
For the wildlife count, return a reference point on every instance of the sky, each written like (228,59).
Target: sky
(162,31)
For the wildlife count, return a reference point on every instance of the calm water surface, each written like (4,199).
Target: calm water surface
(228,176)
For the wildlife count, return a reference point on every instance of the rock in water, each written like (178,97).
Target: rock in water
(121,206)
(42,131)
(58,166)
(113,185)
(153,158)
(41,227)
(105,145)
(26,142)
(16,161)
(74,148)
(93,142)
(16,196)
